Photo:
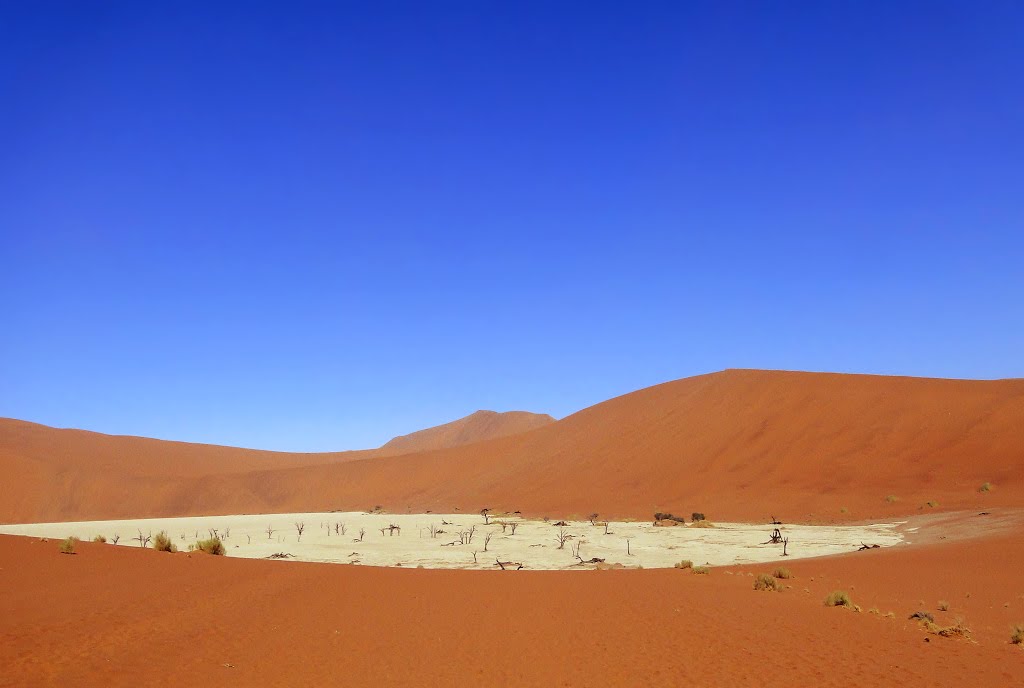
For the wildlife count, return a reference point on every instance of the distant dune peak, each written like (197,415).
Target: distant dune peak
(476,427)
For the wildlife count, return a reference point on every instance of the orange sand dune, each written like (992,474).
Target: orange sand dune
(114,616)
(476,427)
(736,445)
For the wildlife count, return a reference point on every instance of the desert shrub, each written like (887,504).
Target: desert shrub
(700,570)
(844,510)
(987,487)
(943,606)
(873,610)
(99,538)
(684,564)
(702,524)
(67,545)
(765,582)
(162,542)
(922,616)
(210,546)
(838,598)
(957,630)
(662,516)
(1017,637)
(782,573)
(891,499)
(696,516)
(932,503)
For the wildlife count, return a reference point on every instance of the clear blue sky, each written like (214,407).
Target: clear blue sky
(314,226)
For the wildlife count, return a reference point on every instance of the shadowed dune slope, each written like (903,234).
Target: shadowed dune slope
(739,444)
(476,427)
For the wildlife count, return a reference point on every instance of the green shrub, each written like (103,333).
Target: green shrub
(782,573)
(765,582)
(67,545)
(162,542)
(838,598)
(210,546)
(685,564)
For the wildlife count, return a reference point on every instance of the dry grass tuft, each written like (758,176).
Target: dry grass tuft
(838,598)
(162,542)
(702,524)
(943,606)
(210,546)
(67,545)
(703,570)
(986,487)
(957,630)
(765,582)
(1017,637)
(783,573)
(684,564)
(891,499)
(931,503)
(99,538)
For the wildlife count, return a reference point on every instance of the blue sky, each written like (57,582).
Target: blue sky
(313,226)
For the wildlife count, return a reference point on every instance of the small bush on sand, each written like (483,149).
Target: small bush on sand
(987,487)
(922,616)
(700,569)
(685,564)
(67,545)
(838,598)
(957,630)
(210,546)
(702,524)
(99,538)
(874,610)
(932,503)
(782,573)
(943,606)
(891,499)
(765,582)
(1017,637)
(162,542)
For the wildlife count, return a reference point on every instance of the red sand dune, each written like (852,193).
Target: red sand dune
(476,427)
(114,616)
(738,444)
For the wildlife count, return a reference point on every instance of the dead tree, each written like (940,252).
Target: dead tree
(248,539)
(775,539)
(115,538)
(382,531)
(628,553)
(227,533)
(576,549)
(513,526)
(362,532)
(300,526)
(433,531)
(865,546)
(445,523)
(593,519)
(503,525)
(474,556)
(486,513)
(562,537)
(776,522)
(143,539)
(785,544)
(606,524)
(270,532)
(487,540)
(213,533)
(342,526)
(503,564)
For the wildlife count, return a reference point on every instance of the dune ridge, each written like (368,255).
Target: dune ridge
(738,445)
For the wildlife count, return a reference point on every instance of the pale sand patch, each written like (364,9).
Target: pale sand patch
(534,544)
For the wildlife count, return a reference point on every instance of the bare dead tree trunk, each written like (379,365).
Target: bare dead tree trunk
(593,519)
(628,553)
(486,514)
(513,526)
(785,544)
(562,537)
(474,556)
(487,540)
(270,532)
(115,538)
(300,526)
(606,528)
(362,532)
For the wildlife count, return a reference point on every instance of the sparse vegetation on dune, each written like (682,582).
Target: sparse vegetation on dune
(765,582)
(943,606)
(891,499)
(162,542)
(838,598)
(702,570)
(99,538)
(931,503)
(67,545)
(210,546)
(782,572)
(684,564)
(959,629)
(1017,635)
(986,487)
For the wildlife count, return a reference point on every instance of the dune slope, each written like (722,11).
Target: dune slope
(476,427)
(736,445)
